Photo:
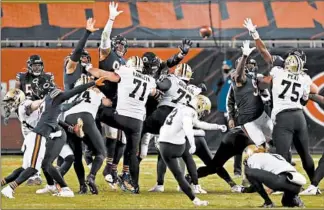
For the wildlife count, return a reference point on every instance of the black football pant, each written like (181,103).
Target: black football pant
(202,151)
(93,139)
(170,154)
(258,177)
(319,173)
(294,130)
(233,143)
(53,149)
(132,128)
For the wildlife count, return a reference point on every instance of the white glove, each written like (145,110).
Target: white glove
(246,48)
(113,13)
(223,128)
(252,28)
(306,92)
(192,149)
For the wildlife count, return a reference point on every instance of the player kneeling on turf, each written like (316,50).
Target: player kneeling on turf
(177,129)
(273,171)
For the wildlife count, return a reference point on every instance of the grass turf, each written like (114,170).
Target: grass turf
(219,194)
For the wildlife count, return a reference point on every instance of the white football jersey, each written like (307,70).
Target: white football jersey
(172,130)
(28,122)
(273,163)
(177,94)
(90,103)
(287,89)
(133,91)
(194,90)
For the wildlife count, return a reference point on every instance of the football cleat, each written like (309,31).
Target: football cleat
(112,179)
(188,178)
(78,128)
(179,189)
(124,182)
(157,188)
(83,189)
(65,192)
(47,189)
(92,185)
(291,201)
(268,205)
(198,190)
(198,202)
(311,190)
(34,180)
(7,192)
(237,189)
(237,175)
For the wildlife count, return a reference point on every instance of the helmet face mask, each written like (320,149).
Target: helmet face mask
(294,64)
(136,63)
(85,57)
(183,71)
(151,63)
(12,100)
(119,45)
(35,65)
(202,105)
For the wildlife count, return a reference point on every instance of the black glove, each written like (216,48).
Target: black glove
(203,87)
(185,46)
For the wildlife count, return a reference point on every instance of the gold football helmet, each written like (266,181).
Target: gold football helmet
(12,100)
(135,62)
(183,71)
(202,105)
(251,149)
(294,64)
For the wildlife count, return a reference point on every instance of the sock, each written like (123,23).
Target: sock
(14,175)
(125,169)
(114,167)
(3,182)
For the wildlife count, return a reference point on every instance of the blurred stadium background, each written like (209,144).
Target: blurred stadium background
(52,29)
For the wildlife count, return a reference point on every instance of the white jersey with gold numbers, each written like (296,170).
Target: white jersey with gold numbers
(287,89)
(177,94)
(133,91)
(91,100)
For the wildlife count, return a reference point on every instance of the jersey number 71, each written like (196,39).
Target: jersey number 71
(138,85)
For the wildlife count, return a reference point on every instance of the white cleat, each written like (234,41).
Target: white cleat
(277,193)
(47,189)
(237,189)
(179,189)
(198,202)
(7,192)
(157,188)
(311,190)
(198,190)
(65,192)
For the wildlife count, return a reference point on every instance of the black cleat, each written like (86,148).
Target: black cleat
(294,201)
(92,185)
(83,189)
(124,182)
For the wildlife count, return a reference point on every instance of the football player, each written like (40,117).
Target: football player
(27,82)
(251,115)
(87,111)
(273,171)
(28,113)
(290,90)
(134,87)
(177,133)
(111,52)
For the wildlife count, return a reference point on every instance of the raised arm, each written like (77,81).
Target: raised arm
(105,43)
(177,58)
(74,59)
(239,74)
(111,76)
(258,42)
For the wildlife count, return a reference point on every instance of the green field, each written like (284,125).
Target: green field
(219,194)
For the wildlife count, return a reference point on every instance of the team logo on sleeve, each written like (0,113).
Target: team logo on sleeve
(313,110)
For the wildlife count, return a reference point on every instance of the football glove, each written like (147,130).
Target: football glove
(246,48)
(113,13)
(252,28)
(185,46)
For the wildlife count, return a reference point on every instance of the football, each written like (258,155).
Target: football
(205,32)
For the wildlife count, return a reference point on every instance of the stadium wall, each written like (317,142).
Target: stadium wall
(206,64)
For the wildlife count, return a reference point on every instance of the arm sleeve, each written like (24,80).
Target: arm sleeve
(105,42)
(205,125)
(317,98)
(70,93)
(188,129)
(174,60)
(164,85)
(230,103)
(76,55)
(66,126)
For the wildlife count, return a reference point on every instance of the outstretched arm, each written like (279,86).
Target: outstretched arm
(177,58)
(105,43)
(74,59)
(258,42)
(111,76)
